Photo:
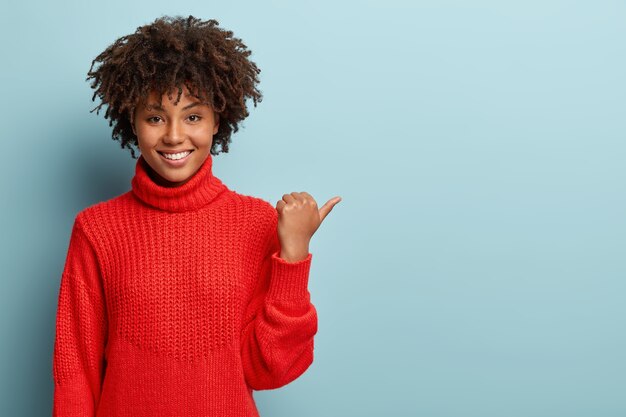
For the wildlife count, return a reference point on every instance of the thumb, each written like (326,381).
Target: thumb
(326,208)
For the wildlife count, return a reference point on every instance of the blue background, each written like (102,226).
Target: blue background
(475,266)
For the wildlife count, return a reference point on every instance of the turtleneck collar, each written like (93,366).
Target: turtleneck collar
(197,192)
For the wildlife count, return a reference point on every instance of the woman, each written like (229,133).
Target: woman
(182,296)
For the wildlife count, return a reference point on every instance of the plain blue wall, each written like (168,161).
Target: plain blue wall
(475,266)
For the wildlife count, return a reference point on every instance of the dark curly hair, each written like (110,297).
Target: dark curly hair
(164,56)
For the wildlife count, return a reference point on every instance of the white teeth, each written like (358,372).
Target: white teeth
(176,156)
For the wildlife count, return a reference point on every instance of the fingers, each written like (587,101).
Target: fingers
(328,207)
(305,198)
(302,197)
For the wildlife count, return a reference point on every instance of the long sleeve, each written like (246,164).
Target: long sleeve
(81,331)
(280,322)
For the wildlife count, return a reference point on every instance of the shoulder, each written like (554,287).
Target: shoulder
(257,215)
(260,220)
(256,207)
(99,217)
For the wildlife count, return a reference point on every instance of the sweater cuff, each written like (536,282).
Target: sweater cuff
(289,280)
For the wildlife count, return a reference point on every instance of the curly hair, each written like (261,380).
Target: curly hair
(164,56)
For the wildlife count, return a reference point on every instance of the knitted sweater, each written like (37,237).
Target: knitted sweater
(174,301)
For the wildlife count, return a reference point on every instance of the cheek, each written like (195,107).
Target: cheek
(145,133)
(203,134)
(145,142)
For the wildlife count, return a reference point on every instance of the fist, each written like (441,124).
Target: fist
(298,219)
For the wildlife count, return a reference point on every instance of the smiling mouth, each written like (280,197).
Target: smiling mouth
(175,156)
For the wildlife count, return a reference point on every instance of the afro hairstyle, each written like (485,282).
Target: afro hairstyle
(165,55)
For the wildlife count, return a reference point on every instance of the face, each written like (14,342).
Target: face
(186,127)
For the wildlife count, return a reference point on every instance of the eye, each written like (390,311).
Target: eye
(198,118)
(153,117)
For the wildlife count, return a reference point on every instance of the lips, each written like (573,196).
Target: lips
(173,152)
(175,162)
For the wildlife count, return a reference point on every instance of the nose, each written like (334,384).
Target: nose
(175,132)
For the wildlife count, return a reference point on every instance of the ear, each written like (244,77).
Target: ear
(217,122)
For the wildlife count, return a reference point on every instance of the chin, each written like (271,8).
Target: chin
(171,176)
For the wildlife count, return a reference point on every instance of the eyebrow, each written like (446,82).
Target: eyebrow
(158,107)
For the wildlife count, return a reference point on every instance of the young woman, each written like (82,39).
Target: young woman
(180,297)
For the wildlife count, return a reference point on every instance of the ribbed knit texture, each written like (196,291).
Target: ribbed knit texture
(174,302)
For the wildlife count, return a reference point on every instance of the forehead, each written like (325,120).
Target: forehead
(154,101)
(186,95)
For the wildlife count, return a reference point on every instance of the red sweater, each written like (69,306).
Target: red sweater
(175,302)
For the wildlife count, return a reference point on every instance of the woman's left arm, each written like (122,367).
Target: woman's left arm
(279,325)
(281,322)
